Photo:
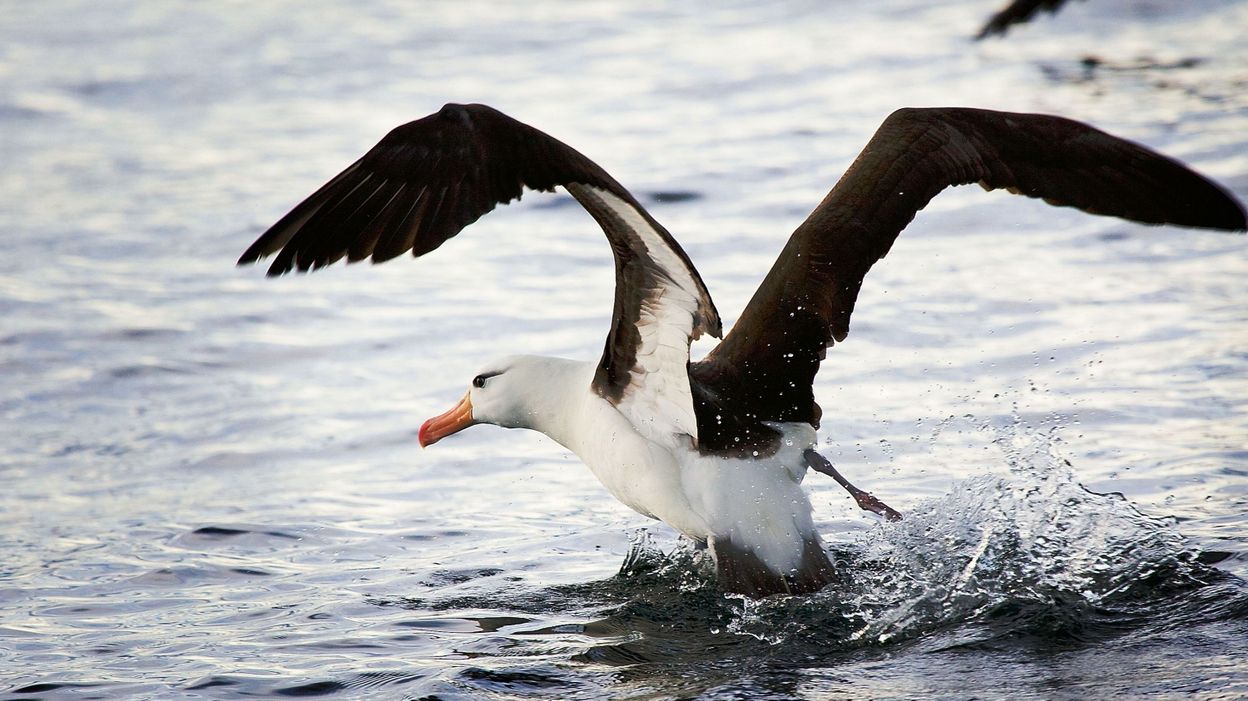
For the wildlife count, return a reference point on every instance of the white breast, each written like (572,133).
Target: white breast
(642,474)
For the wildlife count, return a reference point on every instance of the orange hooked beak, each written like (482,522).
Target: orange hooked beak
(443,425)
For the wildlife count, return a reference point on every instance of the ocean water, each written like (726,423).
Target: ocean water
(212,487)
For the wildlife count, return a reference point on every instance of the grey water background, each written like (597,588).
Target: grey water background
(211,486)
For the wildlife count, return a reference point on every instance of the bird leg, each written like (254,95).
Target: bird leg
(866,501)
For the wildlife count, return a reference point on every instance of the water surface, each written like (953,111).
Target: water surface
(212,487)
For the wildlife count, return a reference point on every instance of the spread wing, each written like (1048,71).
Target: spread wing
(804,303)
(428,179)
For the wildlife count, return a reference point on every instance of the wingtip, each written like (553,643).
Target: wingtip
(1229,217)
(1240,219)
(251,255)
(279,268)
(280,265)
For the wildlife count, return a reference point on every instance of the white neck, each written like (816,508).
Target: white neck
(550,397)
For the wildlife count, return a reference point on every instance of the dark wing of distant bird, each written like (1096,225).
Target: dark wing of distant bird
(1017,12)
(804,303)
(428,179)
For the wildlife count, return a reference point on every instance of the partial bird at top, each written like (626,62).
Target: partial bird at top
(716,448)
(1017,12)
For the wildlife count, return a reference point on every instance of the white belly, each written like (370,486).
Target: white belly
(758,504)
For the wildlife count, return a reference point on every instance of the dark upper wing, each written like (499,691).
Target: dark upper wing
(1017,12)
(804,303)
(428,179)
(419,186)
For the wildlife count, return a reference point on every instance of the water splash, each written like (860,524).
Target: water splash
(1032,540)
(1029,552)
(1026,559)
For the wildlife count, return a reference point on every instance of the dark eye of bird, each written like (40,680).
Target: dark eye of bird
(478,381)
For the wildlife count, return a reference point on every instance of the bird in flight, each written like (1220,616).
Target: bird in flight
(717,448)
(1016,12)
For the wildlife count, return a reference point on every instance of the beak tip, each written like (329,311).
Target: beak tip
(443,425)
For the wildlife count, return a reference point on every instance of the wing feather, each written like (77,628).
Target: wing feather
(805,302)
(428,179)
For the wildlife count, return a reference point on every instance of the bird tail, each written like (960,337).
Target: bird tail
(742,572)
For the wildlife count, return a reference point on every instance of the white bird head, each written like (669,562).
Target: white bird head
(519,391)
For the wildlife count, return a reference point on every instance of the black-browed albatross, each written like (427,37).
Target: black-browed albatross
(716,448)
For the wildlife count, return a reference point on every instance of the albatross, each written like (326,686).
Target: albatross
(717,448)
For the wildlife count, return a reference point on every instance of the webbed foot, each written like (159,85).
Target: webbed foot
(866,500)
